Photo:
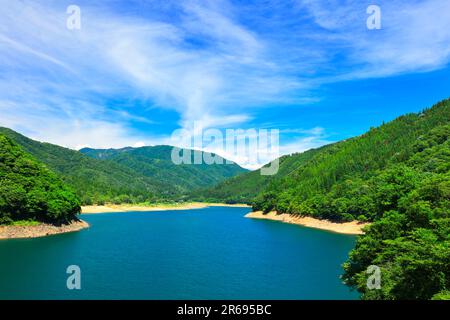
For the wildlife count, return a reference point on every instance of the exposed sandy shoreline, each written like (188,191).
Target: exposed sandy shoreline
(353,227)
(41,230)
(157,207)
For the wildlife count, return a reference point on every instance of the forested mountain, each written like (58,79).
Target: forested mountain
(343,181)
(305,180)
(410,238)
(243,188)
(28,190)
(156,163)
(125,179)
(94,181)
(397,176)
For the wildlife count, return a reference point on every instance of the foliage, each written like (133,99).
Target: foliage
(411,242)
(367,175)
(125,175)
(443,295)
(30,191)
(397,176)
(244,187)
(156,163)
(25,223)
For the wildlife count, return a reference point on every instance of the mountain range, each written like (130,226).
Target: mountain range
(306,181)
(395,176)
(125,175)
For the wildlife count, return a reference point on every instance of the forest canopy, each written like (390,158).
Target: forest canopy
(396,176)
(30,191)
(127,175)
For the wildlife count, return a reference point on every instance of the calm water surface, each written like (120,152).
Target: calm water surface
(211,253)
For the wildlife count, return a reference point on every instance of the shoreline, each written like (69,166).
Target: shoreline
(112,208)
(353,227)
(40,230)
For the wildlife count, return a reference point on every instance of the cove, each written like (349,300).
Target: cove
(210,253)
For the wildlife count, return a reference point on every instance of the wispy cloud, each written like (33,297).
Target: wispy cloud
(217,63)
(415,36)
(148,59)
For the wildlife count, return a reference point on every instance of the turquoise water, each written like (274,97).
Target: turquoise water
(211,253)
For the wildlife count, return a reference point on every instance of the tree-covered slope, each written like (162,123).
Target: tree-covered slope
(304,178)
(397,176)
(410,238)
(333,184)
(93,180)
(28,190)
(124,175)
(156,163)
(244,187)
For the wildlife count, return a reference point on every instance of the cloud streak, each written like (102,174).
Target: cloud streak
(221,64)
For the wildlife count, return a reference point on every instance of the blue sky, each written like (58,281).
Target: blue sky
(138,70)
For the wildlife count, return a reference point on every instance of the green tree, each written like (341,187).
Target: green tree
(28,190)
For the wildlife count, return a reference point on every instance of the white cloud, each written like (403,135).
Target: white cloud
(415,36)
(55,83)
(121,56)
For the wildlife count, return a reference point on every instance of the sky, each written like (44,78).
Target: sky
(136,71)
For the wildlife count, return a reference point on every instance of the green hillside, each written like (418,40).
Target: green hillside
(94,181)
(410,238)
(397,176)
(244,187)
(126,175)
(30,191)
(304,180)
(156,163)
(335,183)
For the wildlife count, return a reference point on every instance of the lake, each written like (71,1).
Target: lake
(211,253)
